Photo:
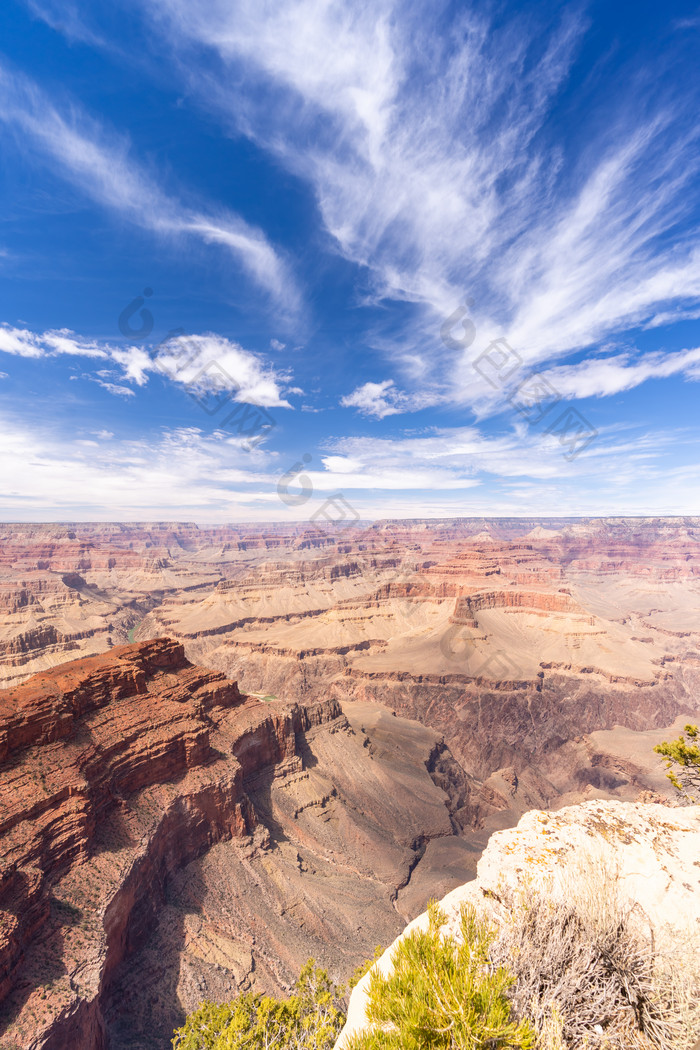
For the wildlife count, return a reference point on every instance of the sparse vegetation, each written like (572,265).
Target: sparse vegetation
(566,965)
(443,992)
(683,763)
(68,911)
(310,1019)
(588,971)
(360,971)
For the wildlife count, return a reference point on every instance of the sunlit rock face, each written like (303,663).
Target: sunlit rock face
(551,655)
(649,852)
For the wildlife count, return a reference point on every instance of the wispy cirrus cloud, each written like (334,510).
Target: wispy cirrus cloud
(102,165)
(66,18)
(429,141)
(117,389)
(596,376)
(604,376)
(50,476)
(687,23)
(445,458)
(204,361)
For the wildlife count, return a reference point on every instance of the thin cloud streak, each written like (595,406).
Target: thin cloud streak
(64,17)
(604,376)
(186,474)
(101,166)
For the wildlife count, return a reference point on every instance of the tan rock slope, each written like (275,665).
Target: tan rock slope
(165,838)
(651,850)
(362,599)
(550,659)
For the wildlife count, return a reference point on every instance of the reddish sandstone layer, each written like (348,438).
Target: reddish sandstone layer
(116,771)
(520,644)
(468,606)
(166,839)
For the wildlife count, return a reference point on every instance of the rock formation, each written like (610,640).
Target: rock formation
(406,689)
(650,850)
(163,837)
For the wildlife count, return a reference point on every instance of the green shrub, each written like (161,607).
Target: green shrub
(443,993)
(359,972)
(683,762)
(310,1019)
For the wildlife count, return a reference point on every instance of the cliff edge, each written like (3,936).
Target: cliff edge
(652,852)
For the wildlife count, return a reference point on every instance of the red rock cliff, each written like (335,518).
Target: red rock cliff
(115,771)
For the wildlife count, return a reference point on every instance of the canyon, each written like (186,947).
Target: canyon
(226,749)
(166,838)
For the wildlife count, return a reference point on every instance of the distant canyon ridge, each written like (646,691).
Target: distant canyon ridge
(226,749)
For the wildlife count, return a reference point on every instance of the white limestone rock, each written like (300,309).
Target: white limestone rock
(653,851)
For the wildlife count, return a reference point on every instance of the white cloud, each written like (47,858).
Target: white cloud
(448,459)
(135,361)
(113,388)
(201,362)
(102,165)
(520,473)
(180,473)
(63,341)
(603,376)
(434,166)
(376,399)
(20,341)
(210,361)
(24,343)
(336,57)
(342,464)
(64,17)
(186,474)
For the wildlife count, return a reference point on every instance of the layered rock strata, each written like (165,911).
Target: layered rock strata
(165,838)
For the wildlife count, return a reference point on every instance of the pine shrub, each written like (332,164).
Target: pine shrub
(310,1019)
(443,992)
(683,763)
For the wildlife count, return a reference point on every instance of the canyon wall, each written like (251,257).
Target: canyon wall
(166,838)
(406,690)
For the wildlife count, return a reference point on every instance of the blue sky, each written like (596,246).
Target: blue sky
(439,258)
